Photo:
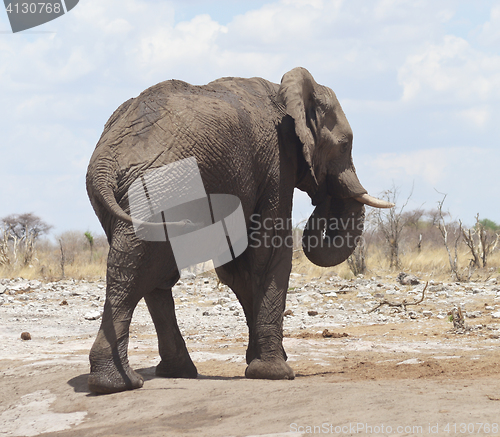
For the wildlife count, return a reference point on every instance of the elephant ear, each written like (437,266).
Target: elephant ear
(296,93)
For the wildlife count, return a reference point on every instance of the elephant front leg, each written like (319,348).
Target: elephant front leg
(266,335)
(175,359)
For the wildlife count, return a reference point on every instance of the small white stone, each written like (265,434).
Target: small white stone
(93,315)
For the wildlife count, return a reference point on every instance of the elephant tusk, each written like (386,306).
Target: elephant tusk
(373,201)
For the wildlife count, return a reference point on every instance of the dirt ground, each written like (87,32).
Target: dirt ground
(401,377)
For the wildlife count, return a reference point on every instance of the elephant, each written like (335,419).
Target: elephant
(252,139)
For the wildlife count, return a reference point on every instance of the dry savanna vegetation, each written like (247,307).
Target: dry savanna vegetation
(426,243)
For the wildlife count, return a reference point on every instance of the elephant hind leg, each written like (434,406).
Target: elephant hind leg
(175,359)
(131,275)
(110,371)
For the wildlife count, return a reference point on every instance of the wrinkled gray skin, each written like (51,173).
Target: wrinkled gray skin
(253,139)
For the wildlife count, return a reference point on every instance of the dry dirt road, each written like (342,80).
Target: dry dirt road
(386,373)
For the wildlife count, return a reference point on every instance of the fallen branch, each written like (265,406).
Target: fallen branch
(402,304)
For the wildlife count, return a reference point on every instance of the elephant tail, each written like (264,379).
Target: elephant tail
(101,190)
(101,187)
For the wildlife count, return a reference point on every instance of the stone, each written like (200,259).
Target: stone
(3,288)
(496,315)
(312,313)
(25,336)
(406,279)
(93,315)
(35,284)
(327,334)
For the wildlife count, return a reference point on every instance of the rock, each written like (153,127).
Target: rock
(489,308)
(413,315)
(496,315)
(410,361)
(187,275)
(3,288)
(406,279)
(312,313)
(35,284)
(427,313)
(474,314)
(93,315)
(327,334)
(25,336)
(64,302)
(288,313)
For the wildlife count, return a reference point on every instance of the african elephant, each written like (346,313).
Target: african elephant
(252,139)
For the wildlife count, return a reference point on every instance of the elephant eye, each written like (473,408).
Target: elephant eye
(343,143)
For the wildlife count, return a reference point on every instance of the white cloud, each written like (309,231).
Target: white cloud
(450,72)
(58,89)
(490,31)
(429,165)
(478,116)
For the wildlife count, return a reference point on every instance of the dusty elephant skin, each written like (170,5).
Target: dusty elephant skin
(252,139)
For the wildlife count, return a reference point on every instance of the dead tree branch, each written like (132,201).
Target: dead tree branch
(402,304)
(453,259)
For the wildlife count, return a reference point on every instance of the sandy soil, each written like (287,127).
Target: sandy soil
(402,376)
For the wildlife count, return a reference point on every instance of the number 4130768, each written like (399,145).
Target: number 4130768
(34,8)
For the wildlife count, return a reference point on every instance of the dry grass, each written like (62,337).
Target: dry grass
(430,263)
(47,265)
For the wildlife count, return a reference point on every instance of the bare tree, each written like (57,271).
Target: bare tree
(391,223)
(4,248)
(63,258)
(444,229)
(24,230)
(470,240)
(357,261)
(481,241)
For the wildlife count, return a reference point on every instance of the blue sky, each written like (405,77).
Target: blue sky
(418,80)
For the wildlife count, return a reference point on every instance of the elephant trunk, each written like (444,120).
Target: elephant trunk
(335,226)
(333,230)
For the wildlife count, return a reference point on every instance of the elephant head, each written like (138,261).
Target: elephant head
(330,177)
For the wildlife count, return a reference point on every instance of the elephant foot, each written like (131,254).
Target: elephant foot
(112,380)
(173,370)
(269,369)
